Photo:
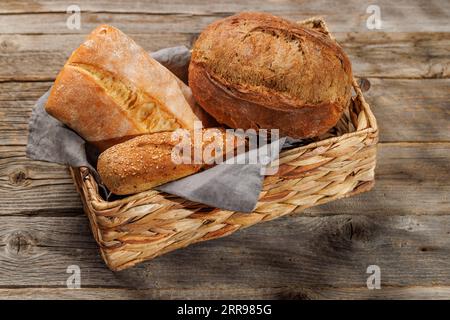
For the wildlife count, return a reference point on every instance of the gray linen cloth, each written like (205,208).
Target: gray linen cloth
(229,186)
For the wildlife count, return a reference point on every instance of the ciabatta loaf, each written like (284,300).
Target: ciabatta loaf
(110,89)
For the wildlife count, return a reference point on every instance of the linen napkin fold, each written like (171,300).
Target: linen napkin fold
(230,186)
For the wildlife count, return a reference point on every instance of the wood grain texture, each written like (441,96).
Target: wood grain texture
(403,225)
(290,293)
(43,188)
(391,55)
(149,6)
(40,57)
(411,110)
(311,252)
(50,16)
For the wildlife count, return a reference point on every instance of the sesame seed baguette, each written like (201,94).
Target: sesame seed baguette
(146,161)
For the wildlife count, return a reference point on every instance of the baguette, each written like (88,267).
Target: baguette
(146,161)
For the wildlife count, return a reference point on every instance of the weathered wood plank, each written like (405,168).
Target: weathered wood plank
(22,91)
(55,23)
(411,110)
(405,174)
(294,293)
(410,179)
(40,57)
(35,187)
(407,110)
(380,54)
(309,252)
(404,15)
(398,55)
(142,6)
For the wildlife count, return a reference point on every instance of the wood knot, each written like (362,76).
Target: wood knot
(437,70)
(294,294)
(18,178)
(427,249)
(8,46)
(356,229)
(364,84)
(19,242)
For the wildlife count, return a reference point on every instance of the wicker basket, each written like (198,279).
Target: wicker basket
(148,224)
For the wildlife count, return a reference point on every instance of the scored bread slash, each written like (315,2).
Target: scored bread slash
(111,89)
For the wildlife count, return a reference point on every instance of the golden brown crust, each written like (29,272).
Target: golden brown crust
(229,108)
(255,70)
(146,161)
(110,88)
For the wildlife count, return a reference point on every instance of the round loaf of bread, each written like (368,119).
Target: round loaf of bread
(255,70)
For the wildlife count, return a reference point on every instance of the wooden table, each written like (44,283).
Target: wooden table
(402,226)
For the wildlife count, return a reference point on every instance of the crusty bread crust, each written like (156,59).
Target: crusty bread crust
(144,162)
(255,70)
(227,106)
(111,89)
